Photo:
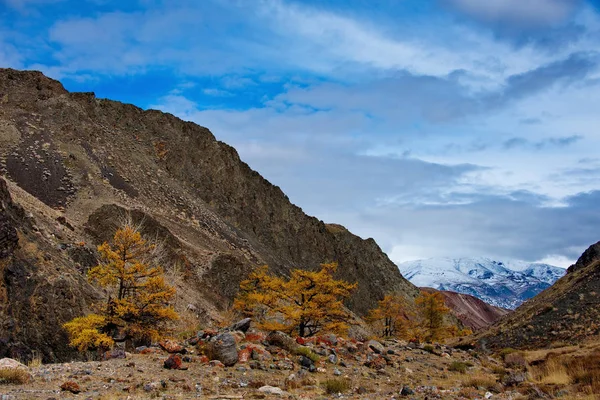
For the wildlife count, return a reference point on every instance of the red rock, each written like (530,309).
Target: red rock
(255,337)
(151,350)
(203,360)
(173,362)
(216,363)
(70,386)
(113,354)
(244,355)
(171,346)
(376,361)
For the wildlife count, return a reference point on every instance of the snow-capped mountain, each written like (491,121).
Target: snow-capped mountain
(502,284)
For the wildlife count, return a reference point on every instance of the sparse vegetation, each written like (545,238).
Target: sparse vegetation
(481,381)
(334,386)
(308,353)
(458,366)
(14,376)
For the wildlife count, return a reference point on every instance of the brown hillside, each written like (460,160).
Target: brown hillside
(471,311)
(566,313)
(78,165)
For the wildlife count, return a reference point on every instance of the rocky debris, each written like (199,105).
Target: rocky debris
(173,362)
(242,326)
(171,346)
(406,391)
(514,378)
(282,340)
(376,346)
(114,353)
(70,386)
(223,348)
(272,390)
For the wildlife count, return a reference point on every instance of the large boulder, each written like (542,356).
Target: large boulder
(223,348)
(242,325)
(10,364)
(282,340)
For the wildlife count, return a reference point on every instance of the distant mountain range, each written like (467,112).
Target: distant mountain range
(502,284)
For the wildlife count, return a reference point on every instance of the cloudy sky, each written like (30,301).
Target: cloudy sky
(438,127)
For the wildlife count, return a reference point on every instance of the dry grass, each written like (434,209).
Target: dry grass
(36,360)
(15,376)
(515,360)
(480,381)
(334,386)
(552,372)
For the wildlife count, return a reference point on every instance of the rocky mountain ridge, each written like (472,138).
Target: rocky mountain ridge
(78,165)
(568,312)
(501,284)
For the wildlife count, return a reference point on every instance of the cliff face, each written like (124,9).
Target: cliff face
(78,164)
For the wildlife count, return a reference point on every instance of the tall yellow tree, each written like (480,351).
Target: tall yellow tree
(391,318)
(305,304)
(432,310)
(137,305)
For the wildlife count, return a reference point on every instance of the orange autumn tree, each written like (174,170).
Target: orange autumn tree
(137,306)
(305,304)
(391,318)
(431,312)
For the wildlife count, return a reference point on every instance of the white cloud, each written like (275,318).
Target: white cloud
(543,12)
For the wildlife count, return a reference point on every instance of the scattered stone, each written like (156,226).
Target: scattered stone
(306,362)
(376,346)
(271,390)
(172,347)
(70,386)
(223,348)
(514,378)
(243,325)
(216,363)
(173,362)
(406,391)
(114,354)
(337,372)
(282,340)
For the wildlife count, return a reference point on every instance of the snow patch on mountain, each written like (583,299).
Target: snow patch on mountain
(502,284)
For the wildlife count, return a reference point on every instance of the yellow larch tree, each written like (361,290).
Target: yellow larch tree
(431,311)
(307,303)
(391,318)
(137,304)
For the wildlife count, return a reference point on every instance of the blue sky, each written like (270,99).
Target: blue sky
(438,127)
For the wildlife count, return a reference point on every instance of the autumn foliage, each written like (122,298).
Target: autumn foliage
(305,304)
(137,305)
(391,318)
(431,311)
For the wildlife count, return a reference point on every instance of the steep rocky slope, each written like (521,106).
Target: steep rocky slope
(79,165)
(567,312)
(470,311)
